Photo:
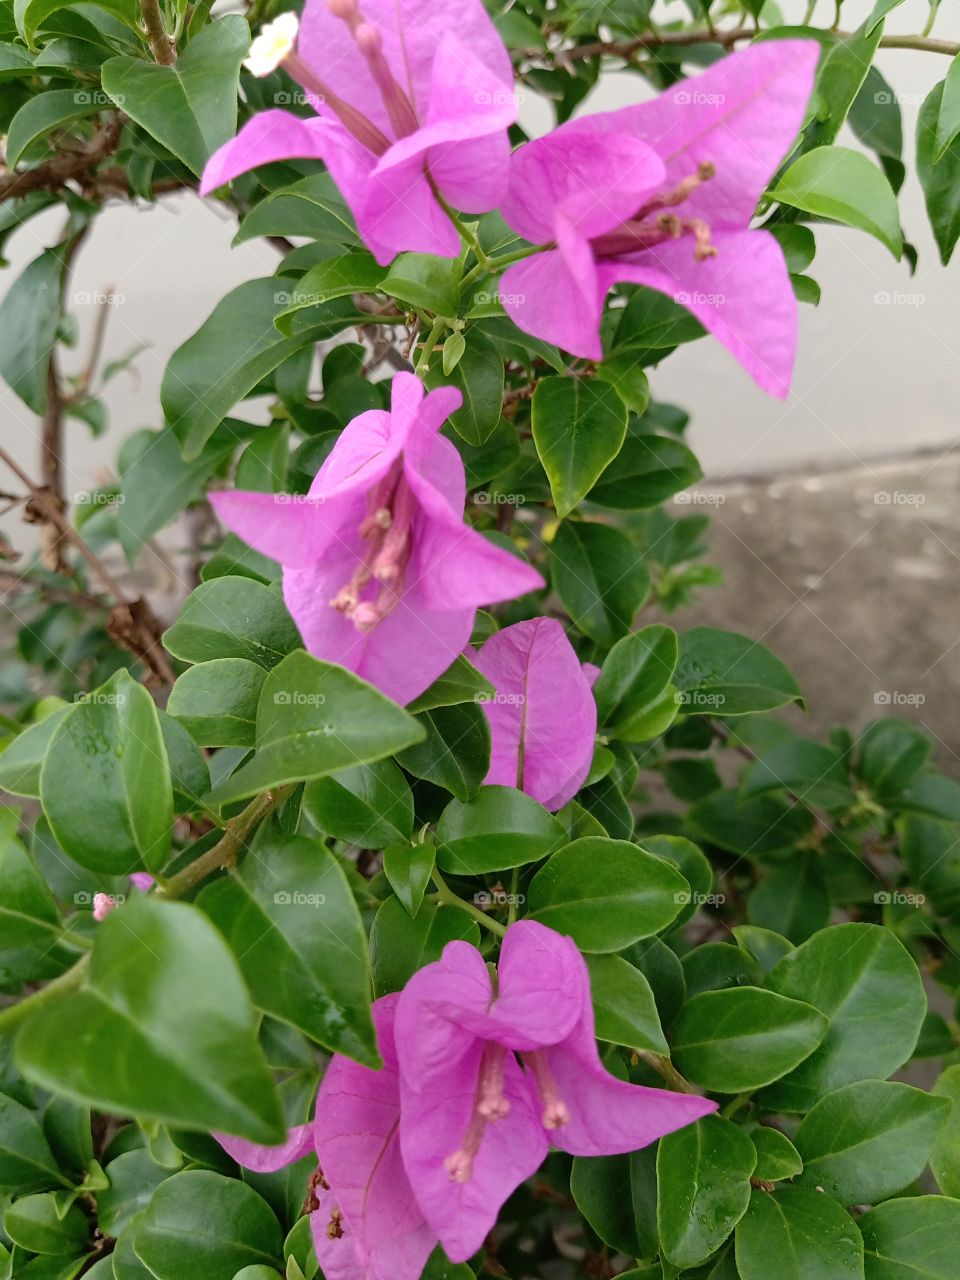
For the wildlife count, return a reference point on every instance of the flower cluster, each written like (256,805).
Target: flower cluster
(480,1078)
(413,103)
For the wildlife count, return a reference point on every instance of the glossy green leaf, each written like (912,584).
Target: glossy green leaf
(913,1238)
(722,673)
(939,175)
(21,760)
(202,1226)
(777,1157)
(193,1042)
(479,376)
(739,1039)
(623,1005)
(599,576)
(290,917)
(29,315)
(796,1234)
(216,701)
(606,894)
(332,278)
(425,281)
(400,945)
(945,1157)
(33,1223)
(105,781)
(455,749)
(461,682)
(634,690)
(498,829)
(614,1193)
(133,1178)
(233,618)
(191,107)
(409,867)
(370,806)
(837,183)
(55,109)
(647,470)
(313,719)
(703,1186)
(578,428)
(26,1161)
(868,1140)
(863,979)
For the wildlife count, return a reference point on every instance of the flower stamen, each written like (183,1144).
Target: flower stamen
(387,528)
(400,110)
(490,1105)
(555,1111)
(648,227)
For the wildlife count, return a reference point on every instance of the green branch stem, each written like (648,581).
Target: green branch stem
(12,1016)
(426,351)
(665,1068)
(227,849)
(447,898)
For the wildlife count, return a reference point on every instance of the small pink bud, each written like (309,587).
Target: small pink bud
(103,904)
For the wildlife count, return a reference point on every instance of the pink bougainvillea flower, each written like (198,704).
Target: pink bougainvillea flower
(379,570)
(412,99)
(365,1219)
(543,719)
(492,1076)
(104,903)
(662,194)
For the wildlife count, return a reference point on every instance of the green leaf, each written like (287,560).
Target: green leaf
(816,774)
(336,277)
(203,1226)
(840,77)
(703,1187)
(134,1176)
(33,1223)
(948,121)
(760,828)
(191,107)
(424,281)
(880,10)
(409,867)
(15,62)
(623,1003)
(722,673)
(29,316)
(633,684)
(598,574)
(777,1157)
(312,207)
(455,751)
(401,944)
(157,485)
(791,899)
(234,349)
(945,1157)
(868,1140)
(615,1194)
(912,1239)
(892,753)
(461,682)
(30,925)
(165,993)
(290,917)
(21,760)
(863,979)
(578,428)
(938,171)
(796,1234)
(739,1039)
(26,1161)
(764,945)
(498,829)
(233,618)
(453,349)
(54,109)
(479,376)
(648,470)
(606,894)
(370,806)
(837,183)
(105,782)
(216,701)
(313,719)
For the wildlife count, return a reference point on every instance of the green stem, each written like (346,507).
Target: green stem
(514,888)
(463,231)
(14,1014)
(734,1105)
(432,338)
(448,898)
(226,851)
(665,1068)
(497,264)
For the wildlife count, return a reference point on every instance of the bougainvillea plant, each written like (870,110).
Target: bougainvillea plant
(413,900)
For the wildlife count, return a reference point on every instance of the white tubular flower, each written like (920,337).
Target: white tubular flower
(275,41)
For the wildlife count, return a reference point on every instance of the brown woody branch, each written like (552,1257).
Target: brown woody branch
(162,44)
